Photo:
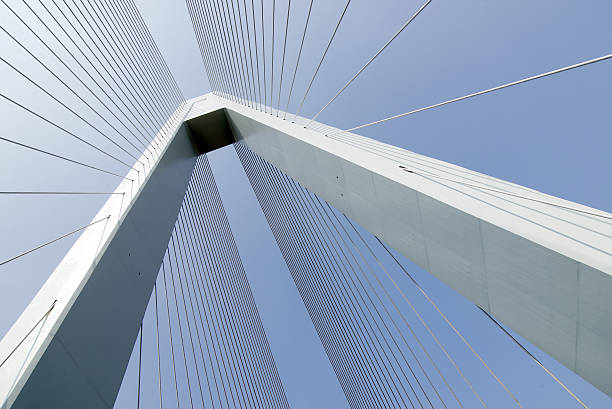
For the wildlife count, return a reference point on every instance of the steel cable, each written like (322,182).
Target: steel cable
(297,63)
(371,60)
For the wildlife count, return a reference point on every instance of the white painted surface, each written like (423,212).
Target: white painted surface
(542,270)
(75,357)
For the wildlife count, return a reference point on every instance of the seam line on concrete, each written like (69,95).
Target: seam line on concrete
(76,364)
(578,274)
(484,263)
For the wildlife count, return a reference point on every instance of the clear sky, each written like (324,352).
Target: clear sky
(553,135)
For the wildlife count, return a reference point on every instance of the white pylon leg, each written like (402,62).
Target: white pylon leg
(540,264)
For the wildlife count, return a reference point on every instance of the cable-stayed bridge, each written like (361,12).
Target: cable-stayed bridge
(344,211)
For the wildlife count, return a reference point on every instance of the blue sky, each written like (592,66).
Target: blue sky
(552,135)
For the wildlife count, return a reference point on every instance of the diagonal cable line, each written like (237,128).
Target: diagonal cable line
(64,130)
(347,326)
(240,57)
(69,69)
(251,93)
(227,58)
(157,84)
(150,59)
(159,376)
(95,128)
(272,224)
(231,46)
(139,366)
(206,46)
(238,363)
(169,87)
(280,234)
(410,328)
(61,26)
(328,211)
(123,71)
(206,52)
(96,55)
(184,302)
(213,318)
(354,265)
(196,277)
(359,327)
(216,322)
(230,244)
(64,158)
(315,267)
(57,39)
(426,168)
(450,101)
(178,401)
(321,61)
(65,84)
(52,241)
(131,68)
(381,265)
(358,312)
(226,317)
(371,60)
(297,63)
(330,343)
(134,107)
(152,45)
(537,361)
(256,48)
(128,45)
(263,53)
(297,232)
(280,85)
(257,98)
(144,34)
(69,52)
(443,316)
(331,268)
(178,314)
(229,330)
(218,52)
(348,272)
(272,58)
(410,276)
(16,347)
(504,192)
